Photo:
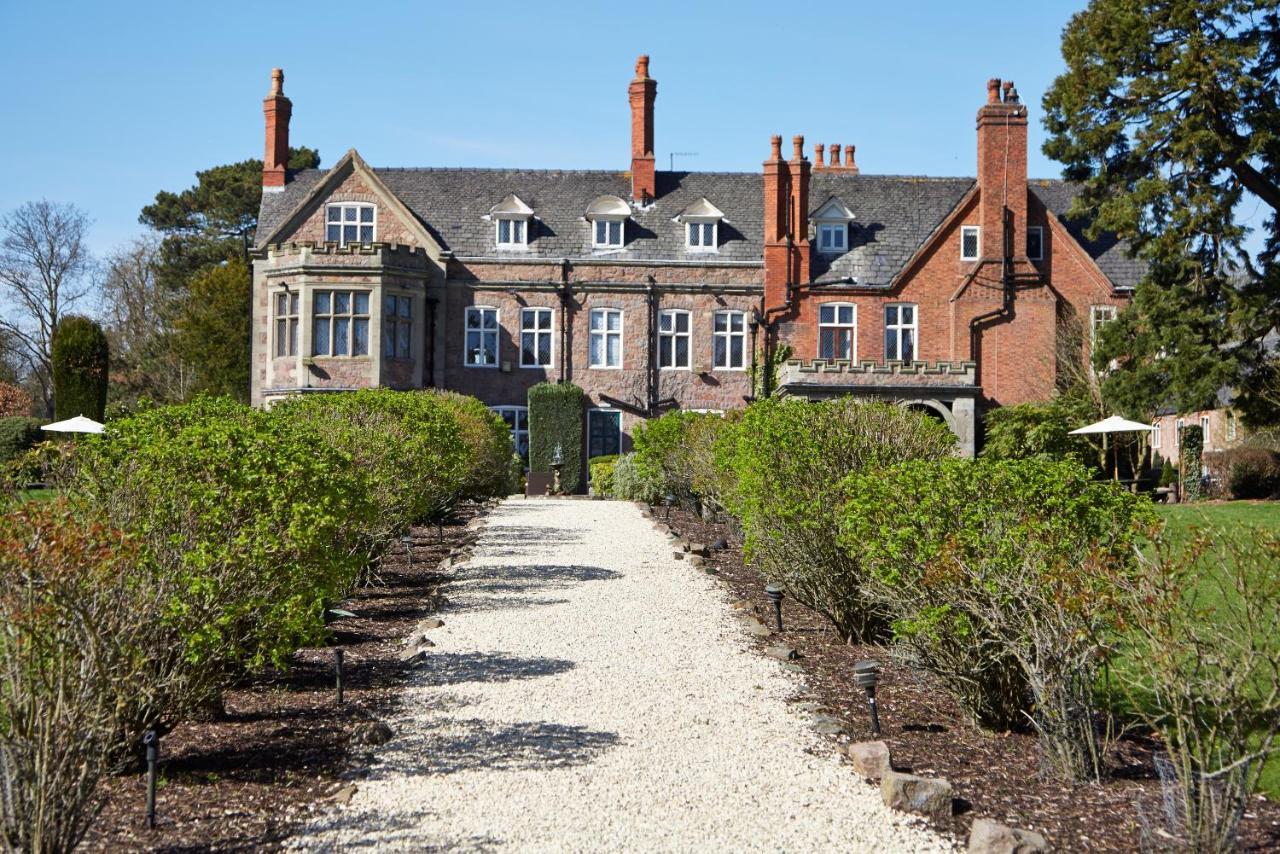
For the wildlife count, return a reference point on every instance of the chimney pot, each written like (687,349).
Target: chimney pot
(642,67)
(849,162)
(277,83)
(819,152)
(993,90)
(775,147)
(1010,93)
(835,155)
(797,147)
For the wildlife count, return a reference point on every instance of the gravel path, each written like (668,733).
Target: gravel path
(590,693)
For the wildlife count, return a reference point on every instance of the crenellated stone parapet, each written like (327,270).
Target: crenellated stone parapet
(844,372)
(306,253)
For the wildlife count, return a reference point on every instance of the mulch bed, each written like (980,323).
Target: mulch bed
(993,775)
(283,745)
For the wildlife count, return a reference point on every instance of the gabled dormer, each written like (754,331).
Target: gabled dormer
(701,225)
(608,217)
(512,219)
(831,227)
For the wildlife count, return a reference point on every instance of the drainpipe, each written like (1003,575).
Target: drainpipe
(429,360)
(1006,308)
(563,291)
(651,362)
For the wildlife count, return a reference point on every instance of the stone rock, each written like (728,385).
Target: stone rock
(416,654)
(344,794)
(920,795)
(742,605)
(755,628)
(699,549)
(720,544)
(782,653)
(827,725)
(792,667)
(684,545)
(697,560)
(709,570)
(870,758)
(418,639)
(372,733)
(678,555)
(989,837)
(429,623)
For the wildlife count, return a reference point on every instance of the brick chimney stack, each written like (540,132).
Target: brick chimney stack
(277,109)
(642,92)
(1002,171)
(799,212)
(777,206)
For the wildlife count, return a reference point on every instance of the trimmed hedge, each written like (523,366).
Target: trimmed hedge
(601,470)
(555,419)
(80,355)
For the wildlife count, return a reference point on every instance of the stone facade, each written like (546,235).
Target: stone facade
(749,259)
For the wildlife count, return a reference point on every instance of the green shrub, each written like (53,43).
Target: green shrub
(555,421)
(661,446)
(601,469)
(787,460)
(70,654)
(1168,473)
(1027,430)
(493,469)
(1247,472)
(249,521)
(80,353)
(1002,578)
(18,434)
(1190,451)
(631,483)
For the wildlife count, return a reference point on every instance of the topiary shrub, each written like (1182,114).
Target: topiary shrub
(80,354)
(601,470)
(788,459)
(1003,579)
(555,420)
(14,401)
(18,434)
(1190,451)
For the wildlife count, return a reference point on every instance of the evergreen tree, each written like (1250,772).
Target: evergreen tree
(213,329)
(1167,115)
(80,361)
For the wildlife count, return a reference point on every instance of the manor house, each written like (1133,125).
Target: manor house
(657,289)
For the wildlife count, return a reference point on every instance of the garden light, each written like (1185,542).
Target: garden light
(151,740)
(866,673)
(775,594)
(407,542)
(667,501)
(338,658)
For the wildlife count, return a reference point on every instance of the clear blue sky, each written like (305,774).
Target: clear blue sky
(108,103)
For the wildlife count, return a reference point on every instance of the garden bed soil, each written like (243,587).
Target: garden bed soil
(282,747)
(993,775)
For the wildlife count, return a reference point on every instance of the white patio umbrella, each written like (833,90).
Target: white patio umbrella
(1112,424)
(79,424)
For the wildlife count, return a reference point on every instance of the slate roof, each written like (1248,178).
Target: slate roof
(1109,252)
(895,215)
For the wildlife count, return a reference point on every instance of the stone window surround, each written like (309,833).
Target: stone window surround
(606,333)
(538,331)
(400,320)
(467,329)
(675,335)
(288,323)
(342,205)
(309,308)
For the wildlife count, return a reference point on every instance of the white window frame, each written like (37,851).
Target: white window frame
(1100,316)
(1231,426)
(976,231)
(1157,436)
(286,324)
(702,236)
(519,415)
(331,320)
(607,222)
(514,223)
(1204,433)
(852,326)
(601,410)
(728,335)
(899,327)
(394,322)
(604,334)
(1178,427)
(341,223)
(836,230)
(1039,230)
(538,332)
(484,332)
(674,335)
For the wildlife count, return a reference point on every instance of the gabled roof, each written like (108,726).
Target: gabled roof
(834,209)
(297,202)
(700,211)
(1109,252)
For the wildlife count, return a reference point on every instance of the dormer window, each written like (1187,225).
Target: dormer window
(701,221)
(608,217)
(832,225)
(511,219)
(350,222)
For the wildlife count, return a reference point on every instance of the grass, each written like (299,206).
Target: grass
(37,494)
(1232,519)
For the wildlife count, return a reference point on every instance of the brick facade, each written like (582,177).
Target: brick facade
(995,327)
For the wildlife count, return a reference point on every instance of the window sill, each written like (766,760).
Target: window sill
(604,367)
(364,358)
(477,365)
(536,367)
(685,368)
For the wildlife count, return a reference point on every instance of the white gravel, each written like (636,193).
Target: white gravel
(590,693)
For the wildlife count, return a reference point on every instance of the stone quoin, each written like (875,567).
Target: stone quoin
(655,290)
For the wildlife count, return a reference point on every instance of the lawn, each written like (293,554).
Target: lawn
(1234,518)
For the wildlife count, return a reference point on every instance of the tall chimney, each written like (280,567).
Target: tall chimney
(799,220)
(642,92)
(277,109)
(777,205)
(1002,172)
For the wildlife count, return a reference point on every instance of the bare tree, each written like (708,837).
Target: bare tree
(44,266)
(140,315)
